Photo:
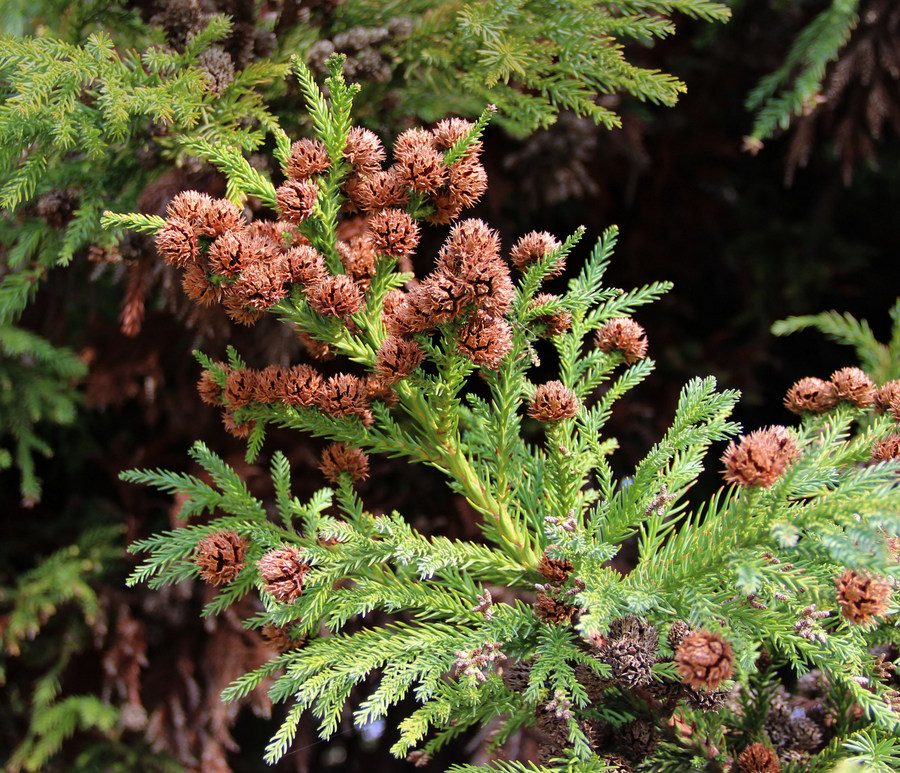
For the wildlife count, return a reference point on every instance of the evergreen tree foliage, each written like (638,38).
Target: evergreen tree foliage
(675,659)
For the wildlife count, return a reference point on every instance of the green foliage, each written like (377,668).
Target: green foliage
(37,384)
(531,58)
(880,361)
(794,86)
(379,603)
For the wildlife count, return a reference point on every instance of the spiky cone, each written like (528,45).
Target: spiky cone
(219,557)
(758,758)
(886,395)
(853,385)
(282,572)
(704,659)
(296,200)
(339,458)
(535,246)
(553,402)
(397,358)
(811,395)
(760,458)
(555,570)
(485,340)
(625,336)
(861,596)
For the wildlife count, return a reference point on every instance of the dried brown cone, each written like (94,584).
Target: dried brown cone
(296,200)
(397,358)
(339,458)
(378,389)
(553,610)
(678,632)
(209,390)
(382,189)
(268,385)
(623,335)
(261,284)
(236,310)
(758,758)
(219,557)
(811,395)
(861,596)
(240,388)
(887,395)
(759,459)
(394,233)
(704,659)
(299,385)
(176,243)
(553,402)
(446,133)
(515,676)
(335,296)
(235,251)
(218,218)
(282,572)
(853,385)
(308,158)
(467,182)
(534,246)
(363,151)
(305,266)
(555,570)
(279,637)
(420,165)
(637,739)
(359,259)
(318,350)
(188,206)
(488,283)
(485,340)
(630,661)
(218,70)
(345,395)
(468,241)
(556,322)
(886,449)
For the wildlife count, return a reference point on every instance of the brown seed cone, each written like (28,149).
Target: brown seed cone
(637,739)
(438,299)
(210,392)
(853,385)
(515,676)
(811,395)
(381,190)
(623,335)
(468,240)
(235,251)
(238,429)
(359,259)
(555,570)
(197,286)
(419,164)
(553,610)
(318,350)
(282,572)
(308,158)
(176,243)
(377,389)
(467,182)
(268,385)
(189,206)
(397,358)
(394,233)
(630,660)
(757,758)
(678,632)
(488,284)
(296,200)
(219,557)
(240,388)
(862,596)
(236,310)
(335,296)
(338,458)
(485,340)
(532,247)
(704,659)
(364,151)
(299,385)
(305,265)
(262,284)
(446,133)
(345,395)
(556,322)
(218,218)
(886,449)
(280,639)
(759,459)
(886,395)
(553,402)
